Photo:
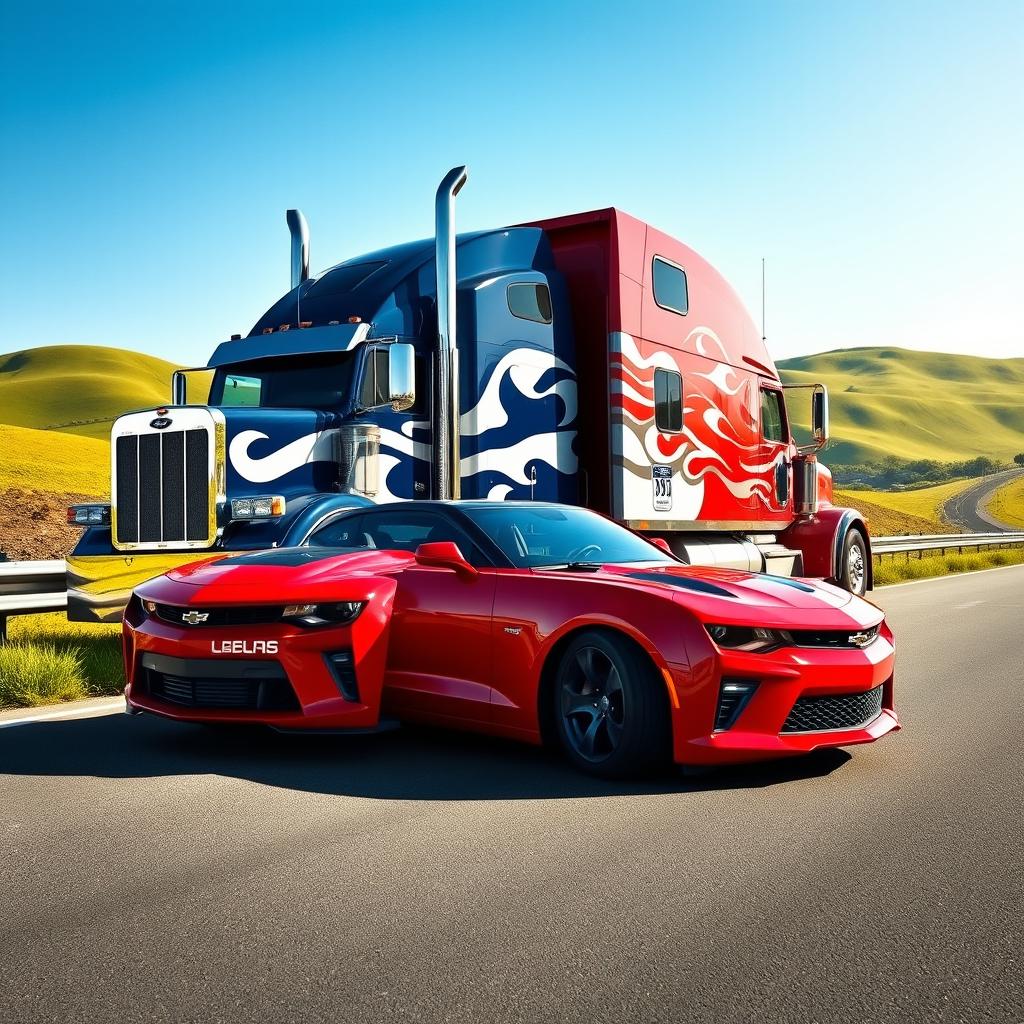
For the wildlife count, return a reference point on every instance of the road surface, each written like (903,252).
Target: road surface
(967,509)
(153,872)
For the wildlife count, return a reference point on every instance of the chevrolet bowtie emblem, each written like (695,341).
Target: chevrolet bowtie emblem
(194,618)
(861,639)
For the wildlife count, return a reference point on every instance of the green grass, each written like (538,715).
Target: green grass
(915,405)
(79,388)
(1007,504)
(899,569)
(54,461)
(48,660)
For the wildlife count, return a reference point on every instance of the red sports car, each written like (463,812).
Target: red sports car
(519,619)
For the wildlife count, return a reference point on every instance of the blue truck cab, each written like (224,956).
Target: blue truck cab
(341,395)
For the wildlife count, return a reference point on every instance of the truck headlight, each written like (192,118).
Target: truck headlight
(268,507)
(338,613)
(752,639)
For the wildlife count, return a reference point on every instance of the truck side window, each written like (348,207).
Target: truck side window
(530,302)
(668,401)
(670,286)
(374,391)
(773,415)
(241,390)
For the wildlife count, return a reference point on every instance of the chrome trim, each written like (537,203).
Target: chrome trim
(447,453)
(190,417)
(701,526)
(299,230)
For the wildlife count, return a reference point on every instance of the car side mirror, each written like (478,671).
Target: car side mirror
(445,554)
(401,376)
(660,542)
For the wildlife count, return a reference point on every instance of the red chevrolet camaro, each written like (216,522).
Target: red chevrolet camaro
(519,619)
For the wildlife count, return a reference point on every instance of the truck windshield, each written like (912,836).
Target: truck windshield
(318,381)
(551,537)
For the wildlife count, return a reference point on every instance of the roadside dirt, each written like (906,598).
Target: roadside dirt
(33,524)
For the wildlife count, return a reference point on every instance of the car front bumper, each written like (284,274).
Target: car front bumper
(782,678)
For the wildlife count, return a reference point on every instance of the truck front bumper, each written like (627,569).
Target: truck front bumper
(100,583)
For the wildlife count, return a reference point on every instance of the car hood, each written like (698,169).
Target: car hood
(278,574)
(732,596)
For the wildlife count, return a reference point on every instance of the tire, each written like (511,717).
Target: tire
(854,576)
(610,708)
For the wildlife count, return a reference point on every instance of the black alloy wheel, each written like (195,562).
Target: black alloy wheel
(610,706)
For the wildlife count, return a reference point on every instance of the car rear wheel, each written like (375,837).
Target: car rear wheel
(854,576)
(610,707)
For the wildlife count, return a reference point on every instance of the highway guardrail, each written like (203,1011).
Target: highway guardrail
(27,587)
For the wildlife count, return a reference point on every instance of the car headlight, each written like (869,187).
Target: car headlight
(337,613)
(752,639)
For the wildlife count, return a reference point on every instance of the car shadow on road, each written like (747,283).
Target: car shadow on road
(412,763)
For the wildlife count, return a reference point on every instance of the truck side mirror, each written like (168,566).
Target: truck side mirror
(819,413)
(401,376)
(179,388)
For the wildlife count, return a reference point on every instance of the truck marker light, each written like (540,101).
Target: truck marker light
(244,646)
(268,330)
(355,319)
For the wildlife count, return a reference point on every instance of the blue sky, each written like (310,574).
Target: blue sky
(872,153)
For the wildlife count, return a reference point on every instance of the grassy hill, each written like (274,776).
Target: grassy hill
(79,389)
(915,405)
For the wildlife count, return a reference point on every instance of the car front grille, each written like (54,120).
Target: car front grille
(270,692)
(841,639)
(162,488)
(830,713)
(203,618)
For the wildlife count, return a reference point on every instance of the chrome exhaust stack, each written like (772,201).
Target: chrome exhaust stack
(300,246)
(447,477)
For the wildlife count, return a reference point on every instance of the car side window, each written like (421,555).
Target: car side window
(342,532)
(400,530)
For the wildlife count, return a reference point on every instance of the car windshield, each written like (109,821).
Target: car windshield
(317,381)
(545,536)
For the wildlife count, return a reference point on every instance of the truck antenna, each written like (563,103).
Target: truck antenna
(763,335)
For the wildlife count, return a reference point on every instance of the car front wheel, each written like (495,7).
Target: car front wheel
(610,707)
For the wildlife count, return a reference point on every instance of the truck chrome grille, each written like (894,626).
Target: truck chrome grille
(162,487)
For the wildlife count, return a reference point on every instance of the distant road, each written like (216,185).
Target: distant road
(967,508)
(160,872)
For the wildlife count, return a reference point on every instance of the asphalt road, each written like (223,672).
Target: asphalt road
(152,872)
(967,508)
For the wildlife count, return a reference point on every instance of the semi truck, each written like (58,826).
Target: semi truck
(589,359)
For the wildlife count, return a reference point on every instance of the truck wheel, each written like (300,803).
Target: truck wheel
(854,576)
(610,707)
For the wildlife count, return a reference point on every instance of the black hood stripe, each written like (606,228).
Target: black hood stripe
(683,583)
(287,556)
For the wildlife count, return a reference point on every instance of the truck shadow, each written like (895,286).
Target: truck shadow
(412,763)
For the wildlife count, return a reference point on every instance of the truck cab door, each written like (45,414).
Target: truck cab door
(774,450)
